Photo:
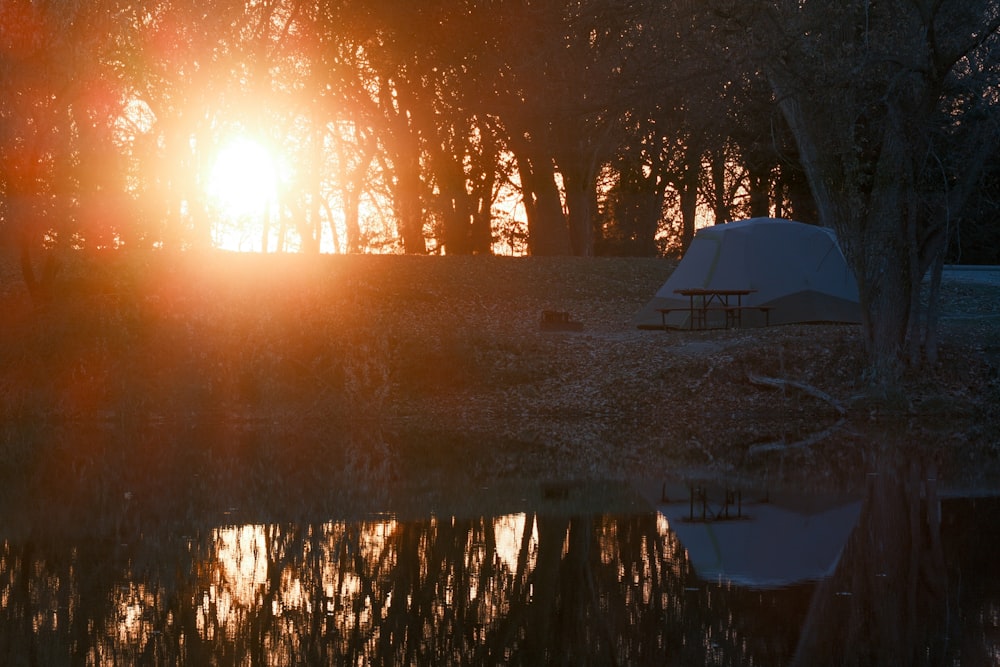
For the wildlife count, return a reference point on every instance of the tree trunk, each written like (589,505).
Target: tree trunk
(409,207)
(883,261)
(759,182)
(482,228)
(647,208)
(689,203)
(265,228)
(869,226)
(456,209)
(334,236)
(721,206)
(311,230)
(638,208)
(884,289)
(39,284)
(580,204)
(548,233)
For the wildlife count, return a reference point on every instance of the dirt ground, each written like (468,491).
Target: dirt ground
(776,406)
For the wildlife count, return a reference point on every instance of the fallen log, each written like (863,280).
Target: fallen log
(801,386)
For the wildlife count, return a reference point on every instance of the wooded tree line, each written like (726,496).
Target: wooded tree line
(599,116)
(615,123)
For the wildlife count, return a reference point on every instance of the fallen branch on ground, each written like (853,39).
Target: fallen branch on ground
(711,367)
(801,386)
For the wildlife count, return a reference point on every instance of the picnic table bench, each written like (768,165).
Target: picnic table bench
(703,301)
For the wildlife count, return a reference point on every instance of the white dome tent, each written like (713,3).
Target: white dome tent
(795,270)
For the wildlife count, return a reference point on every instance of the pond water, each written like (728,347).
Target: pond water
(911,579)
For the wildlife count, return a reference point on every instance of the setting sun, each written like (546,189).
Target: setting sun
(244,180)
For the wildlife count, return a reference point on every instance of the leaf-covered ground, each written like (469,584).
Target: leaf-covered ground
(383,380)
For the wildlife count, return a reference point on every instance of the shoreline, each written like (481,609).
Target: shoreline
(330,383)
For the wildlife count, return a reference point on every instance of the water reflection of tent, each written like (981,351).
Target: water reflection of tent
(772,546)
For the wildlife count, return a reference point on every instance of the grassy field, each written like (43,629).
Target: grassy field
(157,389)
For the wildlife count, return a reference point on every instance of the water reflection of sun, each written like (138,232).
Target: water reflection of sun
(345,583)
(242,556)
(508,531)
(134,601)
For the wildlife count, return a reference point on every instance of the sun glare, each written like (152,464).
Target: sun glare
(243,182)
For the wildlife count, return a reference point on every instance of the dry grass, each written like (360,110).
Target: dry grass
(173,387)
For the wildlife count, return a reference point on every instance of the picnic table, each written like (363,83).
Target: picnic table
(702,301)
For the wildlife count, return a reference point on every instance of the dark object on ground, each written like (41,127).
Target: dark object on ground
(556,320)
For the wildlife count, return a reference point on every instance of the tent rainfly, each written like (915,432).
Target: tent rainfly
(794,268)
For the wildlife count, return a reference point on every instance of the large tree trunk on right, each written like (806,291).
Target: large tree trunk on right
(870,225)
(885,101)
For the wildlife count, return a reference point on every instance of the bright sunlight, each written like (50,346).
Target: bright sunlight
(242,186)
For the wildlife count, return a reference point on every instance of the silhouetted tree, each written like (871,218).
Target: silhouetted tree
(886,102)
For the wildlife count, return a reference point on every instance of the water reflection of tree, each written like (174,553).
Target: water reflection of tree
(887,602)
(571,590)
